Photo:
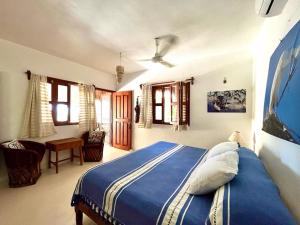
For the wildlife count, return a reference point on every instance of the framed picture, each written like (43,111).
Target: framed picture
(227,101)
(282,98)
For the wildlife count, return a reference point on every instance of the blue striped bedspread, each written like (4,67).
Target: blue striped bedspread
(251,198)
(148,187)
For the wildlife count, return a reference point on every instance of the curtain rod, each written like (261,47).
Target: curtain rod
(28,72)
(191,80)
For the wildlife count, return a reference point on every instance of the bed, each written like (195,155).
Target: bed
(149,187)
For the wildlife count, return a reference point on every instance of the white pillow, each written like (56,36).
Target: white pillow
(214,173)
(221,148)
(14,144)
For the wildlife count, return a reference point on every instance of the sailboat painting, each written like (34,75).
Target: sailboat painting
(282,99)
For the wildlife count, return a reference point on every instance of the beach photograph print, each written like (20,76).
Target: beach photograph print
(233,101)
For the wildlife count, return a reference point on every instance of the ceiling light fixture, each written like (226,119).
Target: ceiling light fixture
(120,70)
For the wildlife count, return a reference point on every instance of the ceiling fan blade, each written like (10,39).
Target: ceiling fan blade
(170,41)
(163,44)
(156,46)
(168,37)
(165,63)
(145,60)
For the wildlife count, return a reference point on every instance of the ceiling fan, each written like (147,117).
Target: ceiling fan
(161,50)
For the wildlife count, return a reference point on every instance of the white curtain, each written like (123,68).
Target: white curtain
(87,112)
(38,121)
(146,117)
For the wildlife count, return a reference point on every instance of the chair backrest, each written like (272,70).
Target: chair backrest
(33,152)
(85,137)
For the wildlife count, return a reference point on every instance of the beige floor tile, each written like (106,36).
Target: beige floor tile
(48,201)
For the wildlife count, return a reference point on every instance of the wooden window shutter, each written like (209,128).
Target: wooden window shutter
(181,103)
(175,95)
(185,103)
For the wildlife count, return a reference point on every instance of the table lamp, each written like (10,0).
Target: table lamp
(236,137)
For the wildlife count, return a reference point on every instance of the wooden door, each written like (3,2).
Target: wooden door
(122,110)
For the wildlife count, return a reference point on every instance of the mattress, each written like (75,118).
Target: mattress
(149,187)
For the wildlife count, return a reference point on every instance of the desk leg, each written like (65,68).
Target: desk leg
(49,161)
(72,154)
(80,155)
(56,164)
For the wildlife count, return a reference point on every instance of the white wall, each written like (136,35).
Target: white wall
(14,61)
(206,129)
(281,158)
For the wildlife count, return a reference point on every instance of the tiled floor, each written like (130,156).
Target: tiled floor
(48,201)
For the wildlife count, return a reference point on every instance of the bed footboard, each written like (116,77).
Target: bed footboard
(81,208)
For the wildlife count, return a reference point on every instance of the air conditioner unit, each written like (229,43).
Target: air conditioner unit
(268,8)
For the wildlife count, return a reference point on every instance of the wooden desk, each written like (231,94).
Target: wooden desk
(64,144)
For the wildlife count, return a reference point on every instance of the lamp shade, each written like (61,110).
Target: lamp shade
(236,137)
(120,73)
(120,69)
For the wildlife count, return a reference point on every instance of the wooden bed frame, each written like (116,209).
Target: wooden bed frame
(81,208)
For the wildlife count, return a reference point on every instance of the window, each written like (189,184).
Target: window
(170,103)
(63,101)
(103,110)
(74,101)
(103,105)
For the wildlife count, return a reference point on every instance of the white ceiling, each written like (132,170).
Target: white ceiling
(93,32)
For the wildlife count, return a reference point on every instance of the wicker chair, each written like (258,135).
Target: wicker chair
(23,165)
(92,152)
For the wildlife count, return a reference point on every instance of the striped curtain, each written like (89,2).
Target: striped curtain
(87,112)
(180,122)
(38,121)
(146,117)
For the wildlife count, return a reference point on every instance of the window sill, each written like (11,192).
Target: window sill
(65,124)
(156,123)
